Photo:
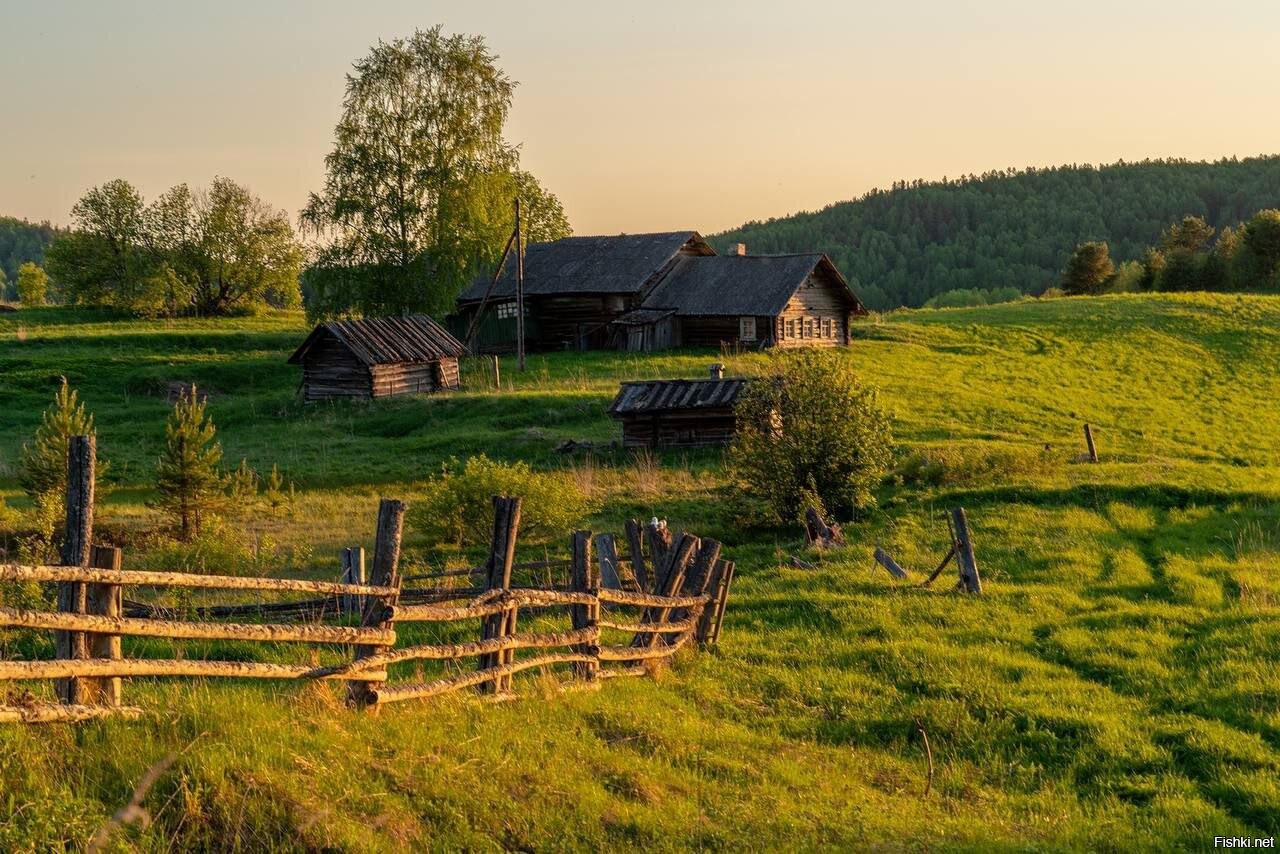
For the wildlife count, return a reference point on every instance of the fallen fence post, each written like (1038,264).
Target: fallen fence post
(502,552)
(379,611)
(352,604)
(636,545)
(891,566)
(585,617)
(941,566)
(75,552)
(1088,440)
(696,583)
(817,532)
(969,579)
(103,600)
(668,583)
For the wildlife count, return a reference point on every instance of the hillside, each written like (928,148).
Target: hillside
(1010,228)
(1115,688)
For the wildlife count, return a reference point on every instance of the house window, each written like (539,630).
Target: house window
(826,327)
(747,328)
(813,328)
(506,310)
(791,329)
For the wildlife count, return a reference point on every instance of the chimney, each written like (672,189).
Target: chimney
(738,249)
(717,371)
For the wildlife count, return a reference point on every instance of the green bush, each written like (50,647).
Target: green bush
(457,505)
(809,430)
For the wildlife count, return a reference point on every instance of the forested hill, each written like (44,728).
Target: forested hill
(1011,228)
(22,241)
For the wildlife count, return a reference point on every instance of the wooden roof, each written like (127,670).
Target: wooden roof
(618,264)
(743,284)
(654,396)
(386,340)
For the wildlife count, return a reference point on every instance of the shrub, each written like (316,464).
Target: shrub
(33,285)
(457,506)
(807,429)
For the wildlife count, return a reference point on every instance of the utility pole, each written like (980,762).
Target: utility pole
(519,290)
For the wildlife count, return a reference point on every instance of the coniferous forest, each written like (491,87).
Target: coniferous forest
(1011,229)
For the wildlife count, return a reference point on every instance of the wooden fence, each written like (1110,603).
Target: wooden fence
(620,622)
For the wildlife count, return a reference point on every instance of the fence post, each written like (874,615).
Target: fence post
(385,573)
(103,600)
(607,555)
(696,582)
(75,552)
(585,579)
(636,545)
(352,573)
(707,618)
(502,553)
(497,374)
(659,537)
(720,603)
(1088,440)
(668,583)
(969,579)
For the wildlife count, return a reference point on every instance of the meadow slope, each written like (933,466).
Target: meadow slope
(1117,686)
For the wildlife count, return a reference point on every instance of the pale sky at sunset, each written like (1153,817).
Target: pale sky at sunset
(645,115)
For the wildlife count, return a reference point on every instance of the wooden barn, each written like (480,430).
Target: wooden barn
(377,357)
(677,413)
(749,301)
(573,288)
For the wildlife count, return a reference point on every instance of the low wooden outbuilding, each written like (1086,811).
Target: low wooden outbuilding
(377,357)
(677,413)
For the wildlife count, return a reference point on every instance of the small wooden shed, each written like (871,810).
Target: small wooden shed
(677,413)
(377,357)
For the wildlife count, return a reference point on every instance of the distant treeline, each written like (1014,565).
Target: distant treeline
(20,242)
(1011,228)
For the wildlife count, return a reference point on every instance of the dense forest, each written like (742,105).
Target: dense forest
(21,241)
(1011,229)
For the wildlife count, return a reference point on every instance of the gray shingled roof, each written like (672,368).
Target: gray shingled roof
(740,284)
(620,264)
(668,395)
(387,340)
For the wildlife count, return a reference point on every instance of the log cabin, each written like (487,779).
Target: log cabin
(677,413)
(377,357)
(649,292)
(573,289)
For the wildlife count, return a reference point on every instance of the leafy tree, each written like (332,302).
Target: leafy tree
(1190,235)
(809,430)
(1183,271)
(1089,268)
(43,469)
(1262,237)
(211,252)
(22,241)
(188,477)
(419,183)
(33,285)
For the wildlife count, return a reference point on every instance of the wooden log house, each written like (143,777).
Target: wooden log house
(377,357)
(677,413)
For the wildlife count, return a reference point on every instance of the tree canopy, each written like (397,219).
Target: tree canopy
(20,242)
(208,252)
(1089,268)
(1011,228)
(419,184)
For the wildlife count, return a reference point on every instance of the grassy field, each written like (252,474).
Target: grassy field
(1117,687)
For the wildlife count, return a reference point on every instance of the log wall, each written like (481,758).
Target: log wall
(815,316)
(692,429)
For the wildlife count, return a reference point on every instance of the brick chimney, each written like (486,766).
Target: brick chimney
(738,249)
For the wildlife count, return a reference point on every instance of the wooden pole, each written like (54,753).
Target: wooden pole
(721,602)
(891,566)
(81,453)
(385,573)
(697,580)
(635,544)
(969,579)
(659,537)
(585,579)
(352,573)
(104,600)
(502,553)
(1088,440)
(497,373)
(670,579)
(519,289)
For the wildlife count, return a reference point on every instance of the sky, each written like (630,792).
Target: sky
(640,116)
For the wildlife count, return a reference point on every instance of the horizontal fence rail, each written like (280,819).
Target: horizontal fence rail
(625,613)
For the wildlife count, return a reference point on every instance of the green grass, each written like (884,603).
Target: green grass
(1117,687)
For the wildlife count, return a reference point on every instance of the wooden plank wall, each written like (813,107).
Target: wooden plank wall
(678,429)
(816,300)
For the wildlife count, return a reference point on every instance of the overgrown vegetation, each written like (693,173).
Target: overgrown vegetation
(1114,688)
(189,478)
(810,433)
